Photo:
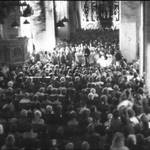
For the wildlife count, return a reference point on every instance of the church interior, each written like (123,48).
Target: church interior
(74,75)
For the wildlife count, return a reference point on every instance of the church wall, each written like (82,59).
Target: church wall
(7,31)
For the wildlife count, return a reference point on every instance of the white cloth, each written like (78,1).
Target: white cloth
(102,62)
(134,120)
(126,104)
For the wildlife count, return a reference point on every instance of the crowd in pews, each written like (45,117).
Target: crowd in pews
(57,103)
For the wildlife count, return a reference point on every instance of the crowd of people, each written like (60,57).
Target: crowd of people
(54,102)
(102,52)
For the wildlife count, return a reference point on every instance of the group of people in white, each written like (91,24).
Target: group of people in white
(97,56)
(101,54)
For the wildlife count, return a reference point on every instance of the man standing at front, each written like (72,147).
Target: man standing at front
(86,55)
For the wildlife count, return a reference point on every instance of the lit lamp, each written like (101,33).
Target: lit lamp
(65,19)
(26,22)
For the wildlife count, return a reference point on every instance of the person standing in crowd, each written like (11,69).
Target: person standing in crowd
(4,76)
(86,55)
(10,143)
(69,57)
(118,57)
(118,142)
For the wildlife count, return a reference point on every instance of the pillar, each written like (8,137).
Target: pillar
(50,24)
(42,25)
(141,43)
(147,44)
(129,29)
(74,16)
(62,10)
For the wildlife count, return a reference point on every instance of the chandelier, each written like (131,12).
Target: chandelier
(26,9)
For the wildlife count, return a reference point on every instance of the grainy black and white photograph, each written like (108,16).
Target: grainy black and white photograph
(74,75)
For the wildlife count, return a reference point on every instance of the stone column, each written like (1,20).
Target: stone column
(62,10)
(141,44)
(147,43)
(129,29)
(50,24)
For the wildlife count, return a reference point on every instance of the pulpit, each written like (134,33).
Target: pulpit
(13,51)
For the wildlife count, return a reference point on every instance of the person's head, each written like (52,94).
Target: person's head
(10,84)
(140,90)
(49,88)
(104,98)
(131,113)
(118,140)
(37,114)
(77,79)
(49,109)
(131,140)
(90,120)
(60,130)
(139,139)
(42,89)
(93,108)
(10,90)
(109,116)
(93,91)
(62,79)
(115,114)
(85,145)
(69,146)
(1,129)
(91,96)
(58,109)
(23,113)
(73,114)
(116,87)
(10,140)
(29,114)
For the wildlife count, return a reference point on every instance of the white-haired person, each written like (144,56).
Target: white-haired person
(37,117)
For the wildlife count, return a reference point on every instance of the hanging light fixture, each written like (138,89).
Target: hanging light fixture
(65,19)
(60,24)
(23,4)
(27,11)
(15,25)
(26,22)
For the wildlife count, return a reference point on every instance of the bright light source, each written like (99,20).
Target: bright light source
(42,39)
